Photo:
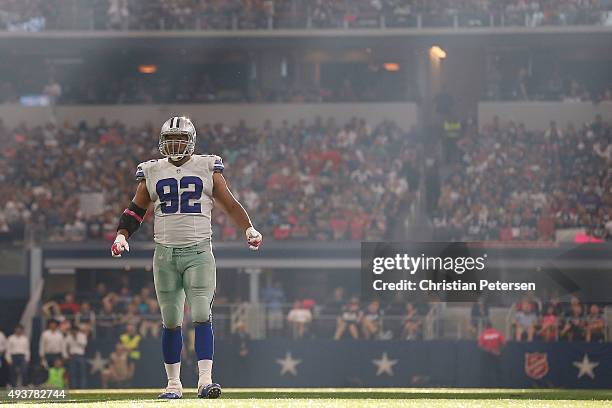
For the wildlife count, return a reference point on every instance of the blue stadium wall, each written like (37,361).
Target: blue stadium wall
(328,363)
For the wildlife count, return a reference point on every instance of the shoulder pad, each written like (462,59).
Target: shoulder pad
(218,164)
(141,170)
(212,162)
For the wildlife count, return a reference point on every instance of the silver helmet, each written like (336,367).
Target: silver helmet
(176,148)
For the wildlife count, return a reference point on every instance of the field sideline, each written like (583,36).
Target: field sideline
(344,397)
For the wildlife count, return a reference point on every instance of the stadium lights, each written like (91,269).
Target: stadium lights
(147,69)
(391,66)
(437,52)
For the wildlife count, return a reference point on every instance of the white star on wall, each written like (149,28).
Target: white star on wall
(586,367)
(384,365)
(97,363)
(288,364)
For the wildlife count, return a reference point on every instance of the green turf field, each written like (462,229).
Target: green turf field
(345,397)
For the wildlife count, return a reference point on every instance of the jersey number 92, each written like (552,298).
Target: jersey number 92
(187,201)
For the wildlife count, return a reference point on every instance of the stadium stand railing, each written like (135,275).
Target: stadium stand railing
(442,322)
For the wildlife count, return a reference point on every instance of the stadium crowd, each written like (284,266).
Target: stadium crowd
(108,313)
(506,182)
(503,182)
(36,15)
(554,320)
(61,354)
(347,317)
(125,316)
(321,181)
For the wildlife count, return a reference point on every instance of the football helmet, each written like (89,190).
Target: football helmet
(177,138)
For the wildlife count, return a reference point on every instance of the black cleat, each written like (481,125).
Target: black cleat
(211,391)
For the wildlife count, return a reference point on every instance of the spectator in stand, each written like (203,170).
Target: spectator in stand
(120,370)
(18,357)
(549,330)
(150,322)
(52,345)
(525,321)
(122,299)
(69,307)
(144,299)
(76,343)
(131,316)
(555,303)
(334,306)
(575,325)
(479,316)
(595,325)
(411,324)
(85,319)
(147,292)
(371,321)
(241,337)
(573,304)
(51,310)
(349,319)
(116,301)
(299,319)
(106,321)
(100,294)
(274,298)
(56,377)
(491,341)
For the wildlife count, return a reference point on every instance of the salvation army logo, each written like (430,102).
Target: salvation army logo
(536,365)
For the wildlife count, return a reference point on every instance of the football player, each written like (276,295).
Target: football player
(183,188)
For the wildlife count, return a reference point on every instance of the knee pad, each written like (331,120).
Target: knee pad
(172,315)
(201,311)
(200,302)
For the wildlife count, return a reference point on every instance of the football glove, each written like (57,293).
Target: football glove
(119,246)
(254,238)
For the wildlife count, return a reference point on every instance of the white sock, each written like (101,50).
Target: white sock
(173,371)
(205,372)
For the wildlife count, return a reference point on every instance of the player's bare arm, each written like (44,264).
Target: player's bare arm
(235,210)
(131,219)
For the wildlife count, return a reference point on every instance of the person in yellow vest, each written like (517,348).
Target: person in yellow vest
(57,375)
(131,341)
(452,134)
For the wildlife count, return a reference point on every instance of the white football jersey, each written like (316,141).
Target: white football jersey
(183,198)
